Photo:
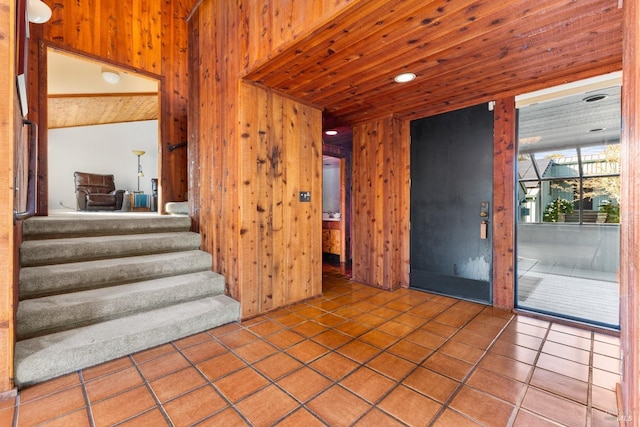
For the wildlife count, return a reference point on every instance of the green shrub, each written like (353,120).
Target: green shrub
(555,207)
(613,211)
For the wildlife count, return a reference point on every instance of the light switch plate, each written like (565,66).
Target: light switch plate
(305,196)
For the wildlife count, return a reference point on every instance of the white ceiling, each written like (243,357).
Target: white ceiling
(559,117)
(71,74)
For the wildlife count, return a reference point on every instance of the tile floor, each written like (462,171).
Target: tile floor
(357,356)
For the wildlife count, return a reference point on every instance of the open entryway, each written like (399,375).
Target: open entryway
(568,194)
(101,120)
(451,200)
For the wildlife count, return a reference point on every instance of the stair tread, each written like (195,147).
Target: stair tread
(100,239)
(38,359)
(75,249)
(50,279)
(57,312)
(113,224)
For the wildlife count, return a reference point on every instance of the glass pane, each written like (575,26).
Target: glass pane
(528,201)
(558,199)
(601,160)
(569,271)
(525,168)
(558,164)
(602,193)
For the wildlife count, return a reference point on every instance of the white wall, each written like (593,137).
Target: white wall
(331,188)
(103,149)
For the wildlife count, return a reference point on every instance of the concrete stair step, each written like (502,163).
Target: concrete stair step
(41,358)
(55,227)
(63,278)
(68,250)
(41,316)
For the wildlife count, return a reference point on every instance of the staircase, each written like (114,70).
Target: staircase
(98,288)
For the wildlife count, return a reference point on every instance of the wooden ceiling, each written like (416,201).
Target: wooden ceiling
(97,109)
(78,95)
(463,52)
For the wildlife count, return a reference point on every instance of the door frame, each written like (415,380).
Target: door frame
(41,111)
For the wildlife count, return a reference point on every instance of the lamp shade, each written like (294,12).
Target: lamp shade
(38,12)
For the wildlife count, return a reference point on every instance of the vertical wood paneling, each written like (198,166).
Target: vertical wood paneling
(173,44)
(403,140)
(274,24)
(280,252)
(257,150)
(8,135)
(630,217)
(380,203)
(147,36)
(281,206)
(504,225)
(252,166)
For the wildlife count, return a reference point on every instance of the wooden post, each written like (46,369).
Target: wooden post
(504,147)
(7,149)
(630,216)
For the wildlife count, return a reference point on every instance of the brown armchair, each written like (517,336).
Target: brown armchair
(97,192)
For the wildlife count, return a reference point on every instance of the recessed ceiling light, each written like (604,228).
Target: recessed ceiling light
(404,77)
(331,132)
(594,98)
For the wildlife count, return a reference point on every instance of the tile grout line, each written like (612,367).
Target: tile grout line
(590,381)
(363,364)
(16,410)
(527,382)
(209,382)
(462,382)
(398,382)
(269,380)
(85,395)
(153,394)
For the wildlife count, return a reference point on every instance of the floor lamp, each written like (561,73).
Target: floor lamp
(139,153)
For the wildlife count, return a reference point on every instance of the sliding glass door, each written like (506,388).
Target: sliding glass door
(569,202)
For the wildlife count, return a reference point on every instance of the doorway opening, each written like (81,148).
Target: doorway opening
(568,195)
(101,119)
(336,197)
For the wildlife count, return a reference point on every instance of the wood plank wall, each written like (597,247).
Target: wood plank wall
(213,118)
(8,134)
(381,203)
(144,36)
(630,217)
(257,150)
(280,236)
(272,26)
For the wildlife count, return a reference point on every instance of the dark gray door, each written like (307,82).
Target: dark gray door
(451,185)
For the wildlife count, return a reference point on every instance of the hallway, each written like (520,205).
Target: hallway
(356,356)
